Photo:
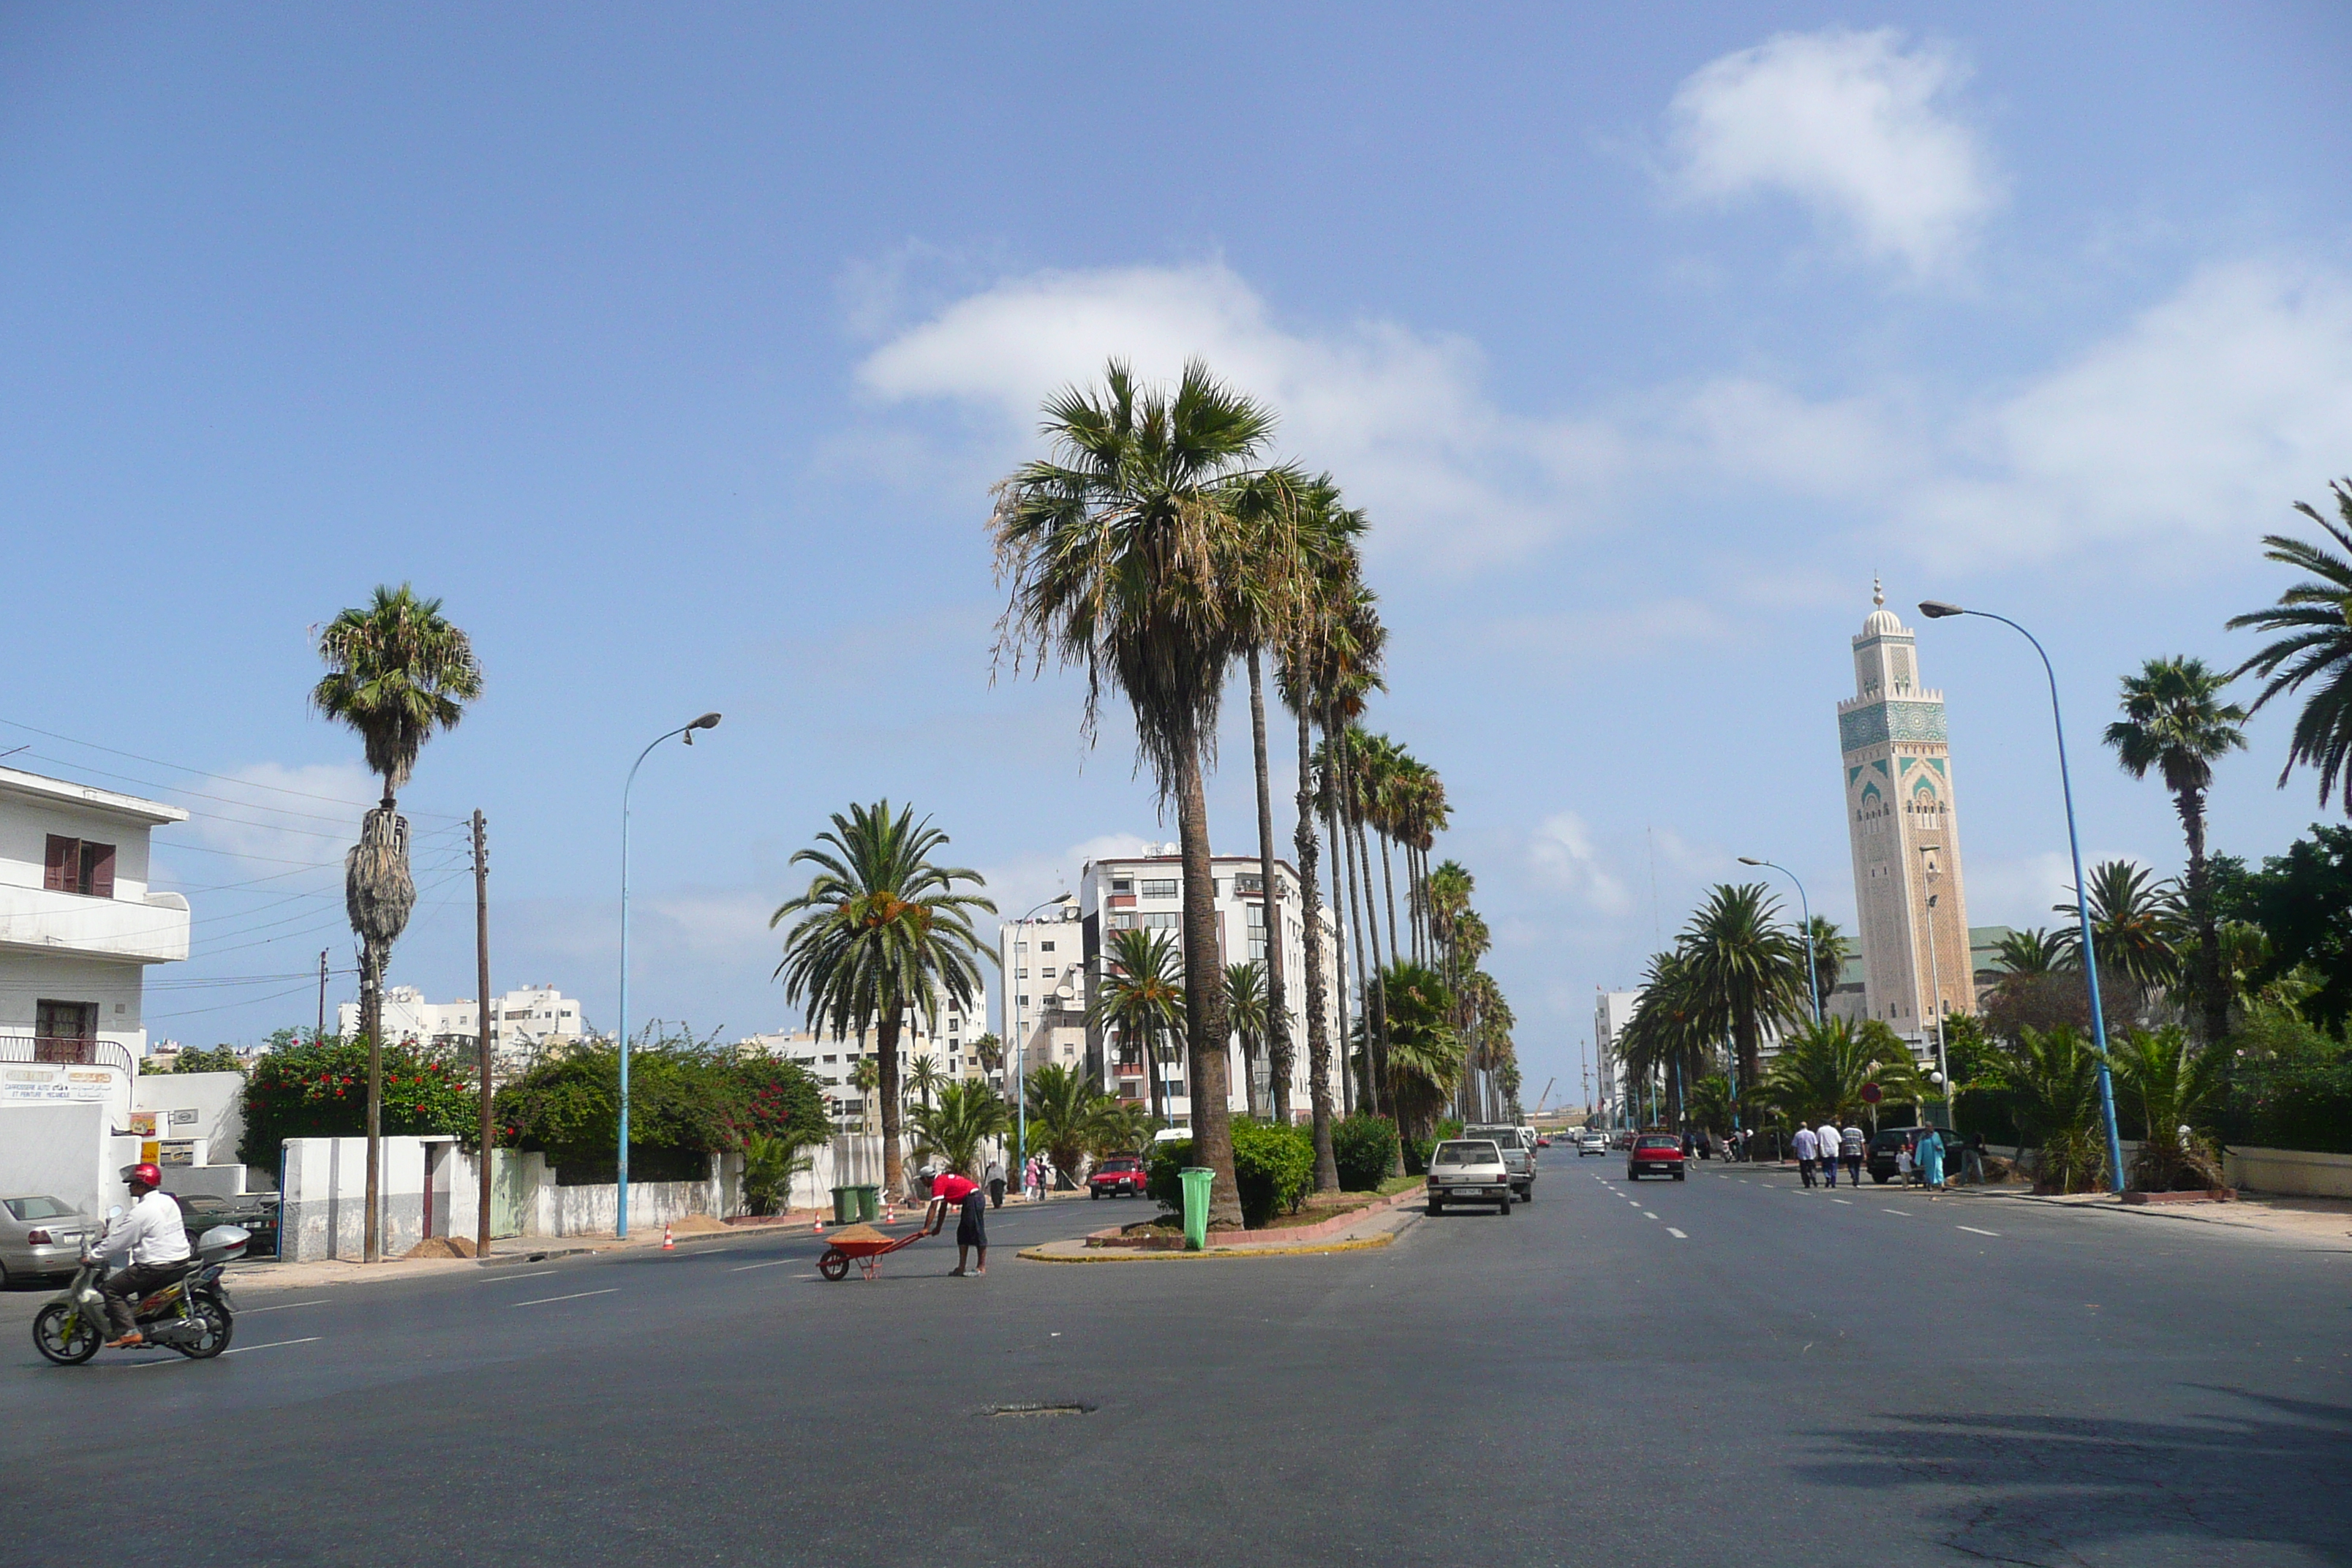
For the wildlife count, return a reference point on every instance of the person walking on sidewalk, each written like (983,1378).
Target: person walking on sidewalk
(1851,1143)
(1825,1138)
(971,1230)
(1972,1169)
(1807,1143)
(994,1178)
(1931,1160)
(1902,1165)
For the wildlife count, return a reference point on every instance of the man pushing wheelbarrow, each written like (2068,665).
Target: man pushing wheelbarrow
(957,1190)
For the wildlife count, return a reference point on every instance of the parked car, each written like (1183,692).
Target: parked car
(1469,1170)
(1655,1155)
(1881,1159)
(1519,1152)
(1591,1144)
(40,1237)
(256,1214)
(1117,1176)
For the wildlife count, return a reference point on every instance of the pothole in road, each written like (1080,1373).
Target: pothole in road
(1030,1408)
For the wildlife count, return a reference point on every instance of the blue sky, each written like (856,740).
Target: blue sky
(675,352)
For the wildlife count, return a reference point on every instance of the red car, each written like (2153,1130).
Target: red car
(1655,1155)
(1119,1176)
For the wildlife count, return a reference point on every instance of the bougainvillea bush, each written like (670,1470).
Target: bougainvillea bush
(685,1100)
(317,1089)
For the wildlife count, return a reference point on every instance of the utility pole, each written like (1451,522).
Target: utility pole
(482,1018)
(322,998)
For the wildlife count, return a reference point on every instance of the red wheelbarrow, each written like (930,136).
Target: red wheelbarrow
(866,1251)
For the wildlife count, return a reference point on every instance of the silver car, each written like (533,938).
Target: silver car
(39,1235)
(1469,1170)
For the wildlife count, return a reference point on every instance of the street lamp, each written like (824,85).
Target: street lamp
(1936,984)
(1936,610)
(621,1202)
(1812,976)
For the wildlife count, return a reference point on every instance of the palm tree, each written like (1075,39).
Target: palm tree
(1745,973)
(1142,996)
(1673,1032)
(1120,548)
(1245,1011)
(926,1077)
(865,1078)
(2172,1083)
(2054,1093)
(1067,1114)
(2133,920)
(881,929)
(1832,949)
(2314,620)
(1425,1054)
(2036,952)
(967,1114)
(397,672)
(1821,1070)
(989,1049)
(2176,723)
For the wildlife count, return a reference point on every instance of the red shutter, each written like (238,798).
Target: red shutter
(98,860)
(61,871)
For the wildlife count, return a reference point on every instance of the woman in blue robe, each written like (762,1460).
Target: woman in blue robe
(1930,1155)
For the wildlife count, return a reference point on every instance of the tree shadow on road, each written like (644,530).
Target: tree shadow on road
(2067,1489)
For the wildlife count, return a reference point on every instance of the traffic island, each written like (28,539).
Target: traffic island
(1364,1226)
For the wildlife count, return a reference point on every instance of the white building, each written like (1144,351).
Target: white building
(522,1022)
(1612,1011)
(945,1037)
(1146,892)
(1042,962)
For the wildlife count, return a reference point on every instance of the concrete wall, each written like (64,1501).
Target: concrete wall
(592,1211)
(322,1212)
(2293,1172)
(209,1105)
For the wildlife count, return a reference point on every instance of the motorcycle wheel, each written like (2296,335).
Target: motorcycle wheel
(218,1328)
(67,1337)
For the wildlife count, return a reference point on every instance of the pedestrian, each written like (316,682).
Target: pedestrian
(1826,1139)
(1806,1144)
(1972,1159)
(994,1177)
(971,1230)
(1931,1160)
(1851,1144)
(1903,1163)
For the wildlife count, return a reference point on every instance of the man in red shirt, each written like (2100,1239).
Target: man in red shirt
(971,1230)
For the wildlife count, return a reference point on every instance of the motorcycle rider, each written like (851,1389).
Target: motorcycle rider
(153,1241)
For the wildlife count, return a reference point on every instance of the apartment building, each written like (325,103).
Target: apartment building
(944,1036)
(522,1022)
(1042,962)
(1145,891)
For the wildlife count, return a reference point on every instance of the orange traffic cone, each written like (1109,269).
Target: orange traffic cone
(816,1226)
(890,1214)
(668,1244)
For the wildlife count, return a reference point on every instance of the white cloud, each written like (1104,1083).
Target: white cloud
(1561,852)
(274,813)
(1402,417)
(1851,124)
(2202,419)
(2019,892)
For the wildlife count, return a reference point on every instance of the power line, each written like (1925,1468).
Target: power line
(203,773)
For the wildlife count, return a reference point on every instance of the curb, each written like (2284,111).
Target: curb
(1307,1250)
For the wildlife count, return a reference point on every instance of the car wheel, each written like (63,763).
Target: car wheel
(1879,1179)
(1095,1192)
(1435,1207)
(1679,1175)
(1506,1203)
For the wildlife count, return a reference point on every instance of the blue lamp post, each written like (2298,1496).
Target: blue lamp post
(1936,610)
(621,1205)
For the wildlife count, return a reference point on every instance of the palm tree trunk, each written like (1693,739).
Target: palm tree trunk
(372,1025)
(1249,1079)
(1318,1028)
(1152,1081)
(1339,929)
(1207,1080)
(885,1062)
(1279,1046)
(1368,1095)
(1743,1037)
(1376,1010)
(1387,887)
(2213,996)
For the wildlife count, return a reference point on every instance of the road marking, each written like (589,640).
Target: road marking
(1848,1202)
(274,1344)
(1907,1214)
(1678,1235)
(534,1274)
(282,1307)
(1647,1214)
(770,1264)
(1974,1231)
(711,1251)
(576,1296)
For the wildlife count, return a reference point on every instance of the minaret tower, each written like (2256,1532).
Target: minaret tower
(1907,841)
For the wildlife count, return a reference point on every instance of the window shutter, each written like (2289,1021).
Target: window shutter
(99,858)
(62,867)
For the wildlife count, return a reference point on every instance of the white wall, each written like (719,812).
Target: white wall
(216,1099)
(322,1212)
(59,1149)
(28,979)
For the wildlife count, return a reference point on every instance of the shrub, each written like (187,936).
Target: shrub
(685,1100)
(1365,1148)
(1273,1165)
(319,1091)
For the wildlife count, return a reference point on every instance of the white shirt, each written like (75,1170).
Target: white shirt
(1807,1145)
(1827,1137)
(149,1234)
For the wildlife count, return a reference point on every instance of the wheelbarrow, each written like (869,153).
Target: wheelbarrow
(868,1252)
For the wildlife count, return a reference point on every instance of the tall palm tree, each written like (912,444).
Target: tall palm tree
(1744,971)
(1121,548)
(881,929)
(1425,1054)
(1675,1028)
(2176,723)
(2313,625)
(926,1077)
(2133,921)
(1142,996)
(1247,1004)
(397,672)
(865,1078)
(1832,948)
(2036,952)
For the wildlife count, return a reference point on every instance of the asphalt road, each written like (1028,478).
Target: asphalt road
(1718,1370)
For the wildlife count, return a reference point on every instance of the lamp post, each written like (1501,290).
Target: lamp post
(1936,984)
(1812,976)
(1936,610)
(621,1201)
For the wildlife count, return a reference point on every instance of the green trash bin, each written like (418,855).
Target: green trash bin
(869,1202)
(844,1205)
(1197,1179)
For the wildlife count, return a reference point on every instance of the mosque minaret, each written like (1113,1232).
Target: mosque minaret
(1907,840)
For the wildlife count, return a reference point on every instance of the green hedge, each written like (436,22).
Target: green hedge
(683,1100)
(2297,1105)
(1365,1148)
(1273,1166)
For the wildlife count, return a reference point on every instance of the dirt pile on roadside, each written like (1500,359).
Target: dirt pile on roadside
(441,1246)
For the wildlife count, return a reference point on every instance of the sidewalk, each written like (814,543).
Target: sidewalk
(1376,1225)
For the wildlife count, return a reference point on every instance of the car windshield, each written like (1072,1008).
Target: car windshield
(1119,1165)
(35,1208)
(1468,1153)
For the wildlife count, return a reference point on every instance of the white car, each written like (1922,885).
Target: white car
(1469,1170)
(1591,1144)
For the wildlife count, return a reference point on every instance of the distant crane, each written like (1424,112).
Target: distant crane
(1540,1099)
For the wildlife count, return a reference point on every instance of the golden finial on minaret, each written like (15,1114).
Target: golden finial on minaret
(1877,593)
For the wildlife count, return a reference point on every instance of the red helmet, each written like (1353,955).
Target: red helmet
(144,1175)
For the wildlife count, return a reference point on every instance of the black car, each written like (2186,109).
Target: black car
(256,1213)
(1882,1163)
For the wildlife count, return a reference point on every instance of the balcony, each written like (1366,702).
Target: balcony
(35,919)
(68,1052)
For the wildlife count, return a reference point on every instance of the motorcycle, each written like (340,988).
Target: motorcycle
(191,1315)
